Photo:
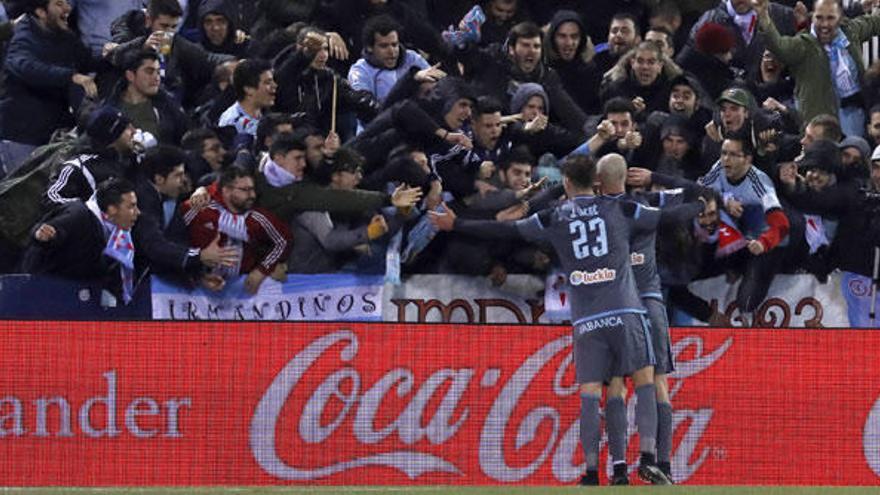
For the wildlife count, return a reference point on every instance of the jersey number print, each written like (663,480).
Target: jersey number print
(591,238)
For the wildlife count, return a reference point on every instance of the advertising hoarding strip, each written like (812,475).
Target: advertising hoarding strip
(152,403)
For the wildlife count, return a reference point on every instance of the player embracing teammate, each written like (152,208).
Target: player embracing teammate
(592,237)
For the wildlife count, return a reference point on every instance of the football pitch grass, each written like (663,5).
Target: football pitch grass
(451,490)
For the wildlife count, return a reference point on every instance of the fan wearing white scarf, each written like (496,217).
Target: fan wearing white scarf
(745,18)
(286,163)
(262,241)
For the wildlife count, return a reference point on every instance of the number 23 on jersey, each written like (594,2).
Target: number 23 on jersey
(590,238)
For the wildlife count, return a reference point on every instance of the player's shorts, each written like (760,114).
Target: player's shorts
(614,345)
(659,329)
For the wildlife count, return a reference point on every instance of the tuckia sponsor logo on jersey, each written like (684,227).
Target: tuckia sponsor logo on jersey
(335,404)
(578,277)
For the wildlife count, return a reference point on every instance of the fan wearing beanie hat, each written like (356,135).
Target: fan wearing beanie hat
(820,162)
(714,39)
(710,56)
(855,152)
(106,126)
(109,156)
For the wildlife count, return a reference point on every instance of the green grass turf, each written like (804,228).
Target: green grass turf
(451,490)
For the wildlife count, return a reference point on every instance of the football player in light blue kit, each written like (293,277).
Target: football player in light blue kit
(612,175)
(590,235)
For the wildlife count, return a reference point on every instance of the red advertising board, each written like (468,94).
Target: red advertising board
(332,403)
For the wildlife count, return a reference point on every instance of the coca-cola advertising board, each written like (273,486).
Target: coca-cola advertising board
(150,403)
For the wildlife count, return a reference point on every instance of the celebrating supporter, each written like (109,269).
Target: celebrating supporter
(569,51)
(512,200)
(261,242)
(826,61)
(148,107)
(384,61)
(206,155)
(850,204)
(89,241)
(709,59)
(160,233)
(255,89)
(741,19)
(185,67)
(109,153)
(46,74)
(624,33)
(219,32)
(328,243)
(618,131)
(735,109)
(643,76)
(497,70)
(754,220)
(309,85)
(457,101)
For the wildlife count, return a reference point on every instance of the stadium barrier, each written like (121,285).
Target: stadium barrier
(793,301)
(213,403)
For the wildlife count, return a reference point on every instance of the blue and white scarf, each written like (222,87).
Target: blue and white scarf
(277,176)
(745,22)
(234,226)
(844,72)
(120,247)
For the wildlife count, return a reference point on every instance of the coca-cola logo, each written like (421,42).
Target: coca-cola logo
(871,438)
(512,419)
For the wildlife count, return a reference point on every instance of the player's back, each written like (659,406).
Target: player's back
(643,243)
(591,236)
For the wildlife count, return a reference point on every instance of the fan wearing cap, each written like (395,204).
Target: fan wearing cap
(816,170)
(733,118)
(826,61)
(820,165)
(109,153)
(709,58)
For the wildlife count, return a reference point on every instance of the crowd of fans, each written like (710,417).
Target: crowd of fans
(207,139)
